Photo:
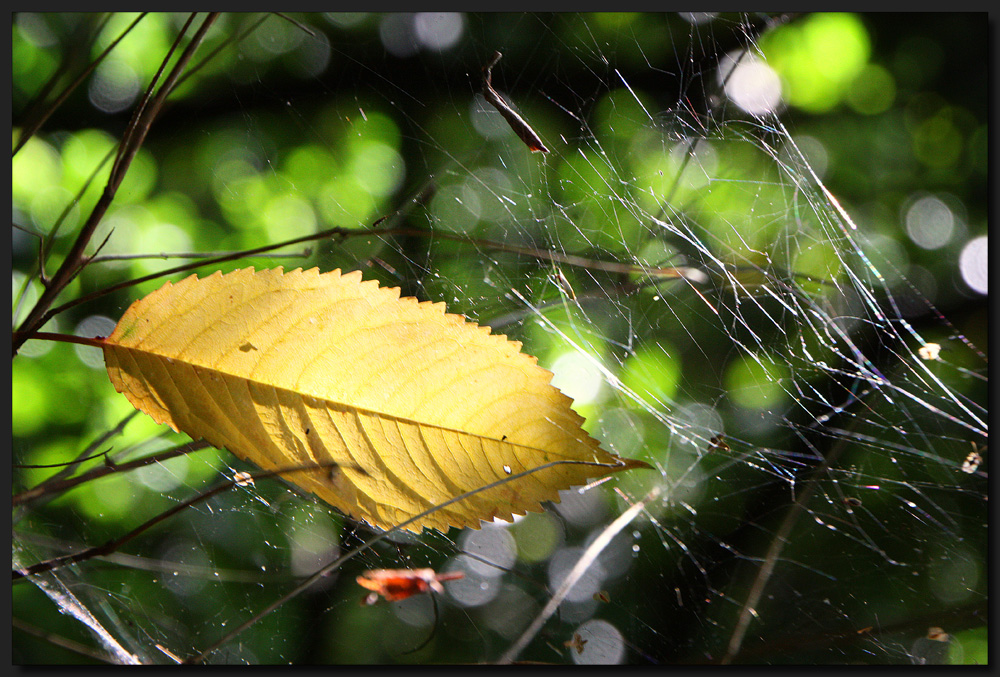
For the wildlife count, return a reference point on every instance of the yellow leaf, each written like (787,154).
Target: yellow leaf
(414,406)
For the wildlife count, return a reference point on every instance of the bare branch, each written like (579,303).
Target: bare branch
(131,142)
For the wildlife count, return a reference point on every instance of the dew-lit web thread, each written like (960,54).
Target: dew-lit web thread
(822,325)
(860,360)
(867,372)
(371,542)
(111,546)
(843,223)
(69,604)
(869,382)
(873,377)
(64,599)
(612,379)
(857,367)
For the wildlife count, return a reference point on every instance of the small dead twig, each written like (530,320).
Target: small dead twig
(516,122)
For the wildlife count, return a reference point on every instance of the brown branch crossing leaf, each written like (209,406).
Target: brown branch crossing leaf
(415,406)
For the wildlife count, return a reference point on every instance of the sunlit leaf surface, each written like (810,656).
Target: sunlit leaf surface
(401,404)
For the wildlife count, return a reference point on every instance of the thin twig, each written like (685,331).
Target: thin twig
(749,610)
(70,467)
(157,565)
(50,237)
(690,274)
(63,338)
(149,105)
(332,232)
(955,619)
(38,466)
(72,56)
(301,26)
(60,641)
(211,55)
(574,575)
(693,275)
(191,255)
(59,485)
(112,545)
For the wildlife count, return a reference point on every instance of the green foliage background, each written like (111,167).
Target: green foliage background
(261,145)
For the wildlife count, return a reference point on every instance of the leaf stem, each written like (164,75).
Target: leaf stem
(96,342)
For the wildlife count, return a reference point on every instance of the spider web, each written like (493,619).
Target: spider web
(679,264)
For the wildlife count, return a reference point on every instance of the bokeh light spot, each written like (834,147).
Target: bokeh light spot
(752,84)
(930,222)
(973,262)
(438,30)
(601,644)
